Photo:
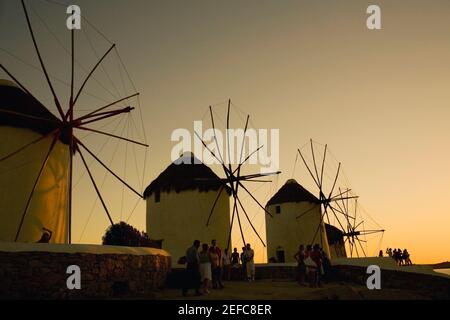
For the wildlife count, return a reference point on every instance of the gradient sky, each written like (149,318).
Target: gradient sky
(379,99)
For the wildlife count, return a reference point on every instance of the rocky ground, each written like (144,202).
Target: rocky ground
(289,290)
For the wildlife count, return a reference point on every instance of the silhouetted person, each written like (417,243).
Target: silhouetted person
(216,265)
(192,273)
(406,258)
(326,265)
(316,256)
(381,254)
(308,250)
(235,257)
(301,266)
(205,267)
(389,252)
(249,262)
(244,263)
(226,265)
(400,257)
(46,236)
(311,267)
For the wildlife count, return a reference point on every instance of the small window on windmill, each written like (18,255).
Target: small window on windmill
(157,196)
(278,209)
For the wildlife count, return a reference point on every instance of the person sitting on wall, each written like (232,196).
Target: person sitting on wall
(380,254)
(46,236)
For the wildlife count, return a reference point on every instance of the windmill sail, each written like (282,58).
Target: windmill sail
(26,126)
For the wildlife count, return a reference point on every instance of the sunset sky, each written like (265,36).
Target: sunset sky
(379,99)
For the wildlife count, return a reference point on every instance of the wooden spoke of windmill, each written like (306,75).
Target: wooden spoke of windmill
(355,231)
(329,201)
(325,199)
(336,204)
(233,178)
(66,123)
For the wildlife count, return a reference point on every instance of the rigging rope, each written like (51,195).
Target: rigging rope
(117,96)
(125,167)
(50,75)
(103,182)
(99,151)
(68,51)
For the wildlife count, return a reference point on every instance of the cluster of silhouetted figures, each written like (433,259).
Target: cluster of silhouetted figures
(207,266)
(313,265)
(402,258)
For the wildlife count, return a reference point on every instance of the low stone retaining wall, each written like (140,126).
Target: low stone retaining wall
(434,285)
(276,271)
(42,275)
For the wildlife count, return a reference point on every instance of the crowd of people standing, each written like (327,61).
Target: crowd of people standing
(312,265)
(402,258)
(207,266)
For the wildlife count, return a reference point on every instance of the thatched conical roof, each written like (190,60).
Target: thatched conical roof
(189,174)
(292,191)
(21,110)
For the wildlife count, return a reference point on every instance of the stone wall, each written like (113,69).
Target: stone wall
(42,275)
(436,286)
(275,271)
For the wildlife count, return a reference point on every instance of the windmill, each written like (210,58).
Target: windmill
(233,177)
(63,133)
(356,232)
(335,201)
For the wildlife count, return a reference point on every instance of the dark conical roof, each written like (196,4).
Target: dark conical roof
(189,174)
(21,110)
(292,191)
